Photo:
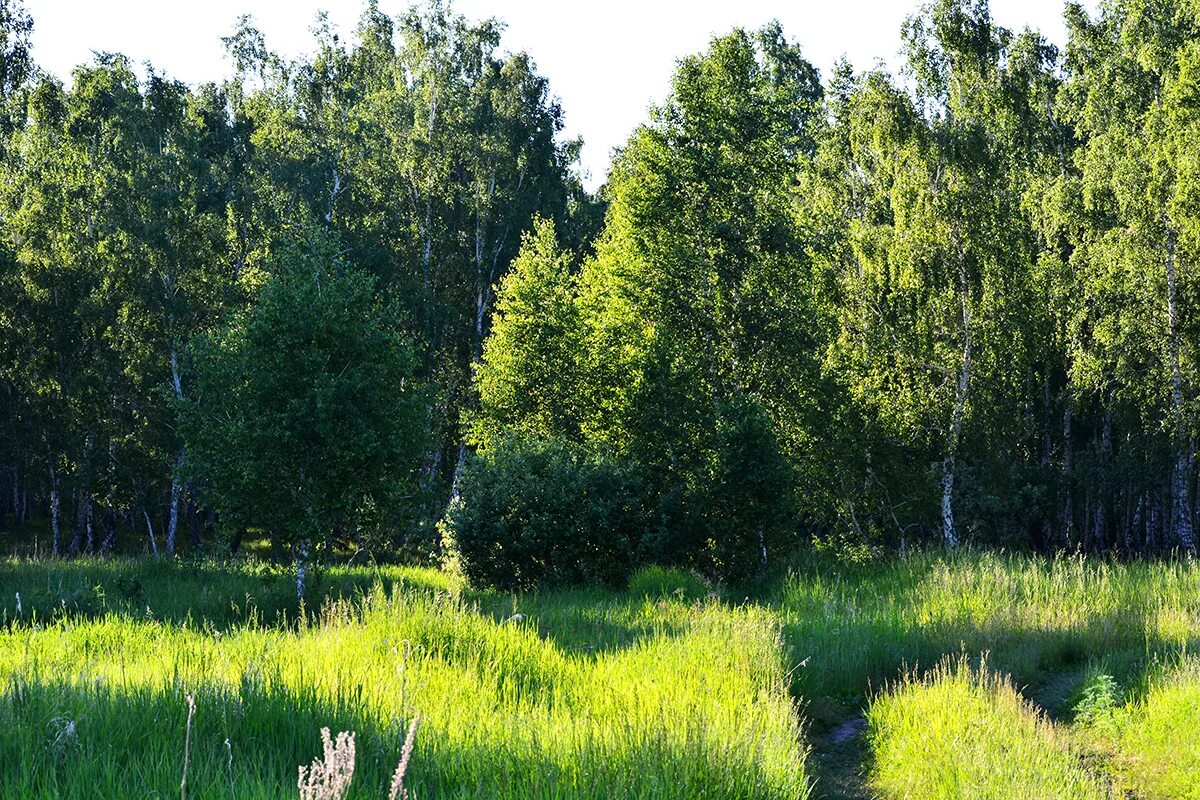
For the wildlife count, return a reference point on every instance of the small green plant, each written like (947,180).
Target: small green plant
(1098,702)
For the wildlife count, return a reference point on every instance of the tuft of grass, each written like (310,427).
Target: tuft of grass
(1156,741)
(665,583)
(964,732)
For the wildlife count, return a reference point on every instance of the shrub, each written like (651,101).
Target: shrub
(537,512)
(733,507)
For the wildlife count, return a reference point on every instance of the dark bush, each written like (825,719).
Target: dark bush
(732,509)
(537,512)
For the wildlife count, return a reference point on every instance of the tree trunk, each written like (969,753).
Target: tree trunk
(56,546)
(77,526)
(176,482)
(150,530)
(949,533)
(1047,453)
(1068,507)
(1098,530)
(89,524)
(301,555)
(235,544)
(1180,507)
(109,542)
(176,491)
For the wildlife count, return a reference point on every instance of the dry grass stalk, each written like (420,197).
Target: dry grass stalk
(187,747)
(329,777)
(398,792)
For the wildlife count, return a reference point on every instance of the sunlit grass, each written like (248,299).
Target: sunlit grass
(671,688)
(1154,738)
(856,628)
(961,732)
(579,695)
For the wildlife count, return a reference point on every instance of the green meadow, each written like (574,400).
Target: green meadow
(977,675)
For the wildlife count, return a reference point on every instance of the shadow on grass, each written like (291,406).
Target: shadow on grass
(86,739)
(852,632)
(212,593)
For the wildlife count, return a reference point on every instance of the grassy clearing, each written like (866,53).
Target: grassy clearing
(664,690)
(570,695)
(963,732)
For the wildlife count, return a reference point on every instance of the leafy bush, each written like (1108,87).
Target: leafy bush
(732,508)
(540,512)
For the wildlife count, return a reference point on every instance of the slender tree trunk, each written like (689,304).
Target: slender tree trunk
(176,479)
(1098,530)
(1068,506)
(235,543)
(150,530)
(109,542)
(301,556)
(26,509)
(89,524)
(949,533)
(173,513)
(1047,453)
(1180,507)
(455,484)
(77,526)
(56,546)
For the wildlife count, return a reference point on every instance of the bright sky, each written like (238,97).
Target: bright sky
(607,61)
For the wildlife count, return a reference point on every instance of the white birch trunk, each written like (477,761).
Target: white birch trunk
(949,532)
(1180,507)
(301,569)
(173,516)
(176,483)
(56,542)
(150,529)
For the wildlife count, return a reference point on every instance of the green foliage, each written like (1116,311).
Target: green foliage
(540,512)
(306,412)
(528,376)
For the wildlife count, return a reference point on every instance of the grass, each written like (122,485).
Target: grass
(668,689)
(964,732)
(1150,738)
(582,695)
(855,628)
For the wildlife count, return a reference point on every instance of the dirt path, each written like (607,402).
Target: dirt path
(838,760)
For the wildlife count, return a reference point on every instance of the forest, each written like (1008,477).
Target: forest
(842,443)
(325,297)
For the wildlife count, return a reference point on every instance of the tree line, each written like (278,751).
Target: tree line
(361,299)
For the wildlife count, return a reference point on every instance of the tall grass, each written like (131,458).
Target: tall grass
(853,628)
(960,732)
(665,690)
(1155,736)
(579,695)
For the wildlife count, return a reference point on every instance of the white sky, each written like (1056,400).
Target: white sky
(607,61)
